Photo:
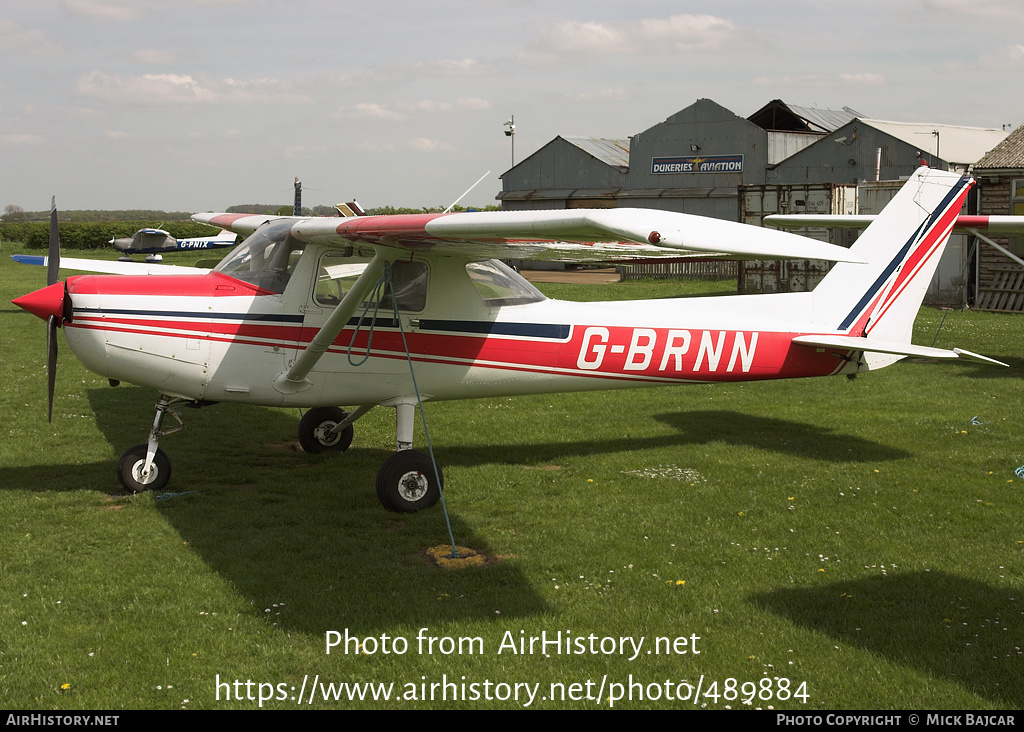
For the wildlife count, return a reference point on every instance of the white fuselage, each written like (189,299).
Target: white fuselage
(212,337)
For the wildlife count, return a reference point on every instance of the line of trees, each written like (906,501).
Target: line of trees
(95,229)
(17,215)
(14,214)
(95,234)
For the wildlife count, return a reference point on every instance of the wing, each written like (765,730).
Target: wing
(108,267)
(238,223)
(995,225)
(570,234)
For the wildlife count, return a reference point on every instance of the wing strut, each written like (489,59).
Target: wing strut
(294,380)
(991,243)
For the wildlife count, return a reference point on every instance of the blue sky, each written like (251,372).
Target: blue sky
(201,104)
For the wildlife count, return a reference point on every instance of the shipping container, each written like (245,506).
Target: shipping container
(758,201)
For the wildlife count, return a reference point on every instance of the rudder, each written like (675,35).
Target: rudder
(903,247)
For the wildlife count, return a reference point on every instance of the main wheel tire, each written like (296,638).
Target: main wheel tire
(129,470)
(406,482)
(316,423)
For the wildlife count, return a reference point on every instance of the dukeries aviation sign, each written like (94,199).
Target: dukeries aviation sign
(697,164)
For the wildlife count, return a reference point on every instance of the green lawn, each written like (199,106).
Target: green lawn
(841,544)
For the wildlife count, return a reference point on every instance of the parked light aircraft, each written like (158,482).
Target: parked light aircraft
(395,310)
(155,242)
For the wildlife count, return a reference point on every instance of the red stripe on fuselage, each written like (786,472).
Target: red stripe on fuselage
(213,284)
(216,329)
(618,352)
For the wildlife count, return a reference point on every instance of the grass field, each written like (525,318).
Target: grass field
(838,544)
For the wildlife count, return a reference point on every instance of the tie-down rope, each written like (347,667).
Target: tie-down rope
(382,286)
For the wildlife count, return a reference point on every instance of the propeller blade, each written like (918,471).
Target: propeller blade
(53,263)
(51,364)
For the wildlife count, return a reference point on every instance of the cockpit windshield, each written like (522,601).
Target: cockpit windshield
(266,258)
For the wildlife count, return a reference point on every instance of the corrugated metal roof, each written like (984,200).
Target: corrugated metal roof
(958,145)
(1007,154)
(827,120)
(778,116)
(608,151)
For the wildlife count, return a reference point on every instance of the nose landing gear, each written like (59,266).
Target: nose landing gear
(146,467)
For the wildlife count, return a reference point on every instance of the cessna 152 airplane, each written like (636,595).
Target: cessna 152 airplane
(154,242)
(396,310)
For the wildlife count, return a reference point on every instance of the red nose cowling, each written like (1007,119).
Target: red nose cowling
(45,302)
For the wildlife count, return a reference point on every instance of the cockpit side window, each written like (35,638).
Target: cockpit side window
(266,258)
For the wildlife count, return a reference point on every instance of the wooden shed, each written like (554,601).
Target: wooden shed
(1000,176)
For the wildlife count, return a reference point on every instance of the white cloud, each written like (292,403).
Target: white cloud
(154,56)
(405,110)
(572,37)
(375,147)
(688,32)
(20,40)
(16,139)
(1005,58)
(989,9)
(178,89)
(147,89)
(678,33)
(426,145)
(429,105)
(452,67)
(473,104)
(117,11)
(822,80)
(608,94)
(368,110)
(442,68)
(260,91)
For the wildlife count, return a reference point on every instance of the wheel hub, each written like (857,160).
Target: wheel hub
(412,486)
(142,476)
(324,436)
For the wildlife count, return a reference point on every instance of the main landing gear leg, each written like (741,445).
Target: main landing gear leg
(146,467)
(407,481)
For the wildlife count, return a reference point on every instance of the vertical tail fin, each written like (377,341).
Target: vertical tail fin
(903,247)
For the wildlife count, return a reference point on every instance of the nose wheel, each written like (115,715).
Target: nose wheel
(146,467)
(134,475)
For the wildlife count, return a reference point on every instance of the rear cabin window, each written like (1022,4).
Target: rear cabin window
(337,274)
(499,285)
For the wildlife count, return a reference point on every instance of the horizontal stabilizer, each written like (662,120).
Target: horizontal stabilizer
(978,358)
(874,345)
